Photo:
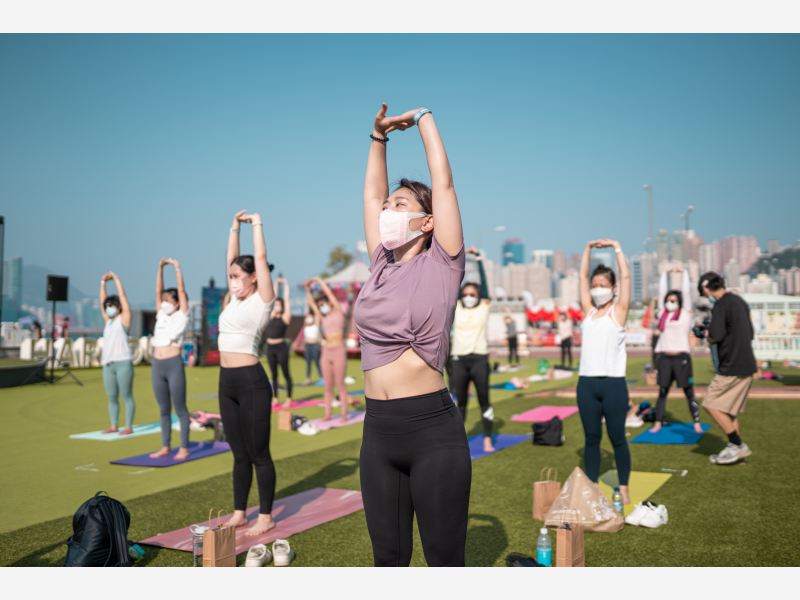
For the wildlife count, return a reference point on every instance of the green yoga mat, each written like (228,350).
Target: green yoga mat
(640,485)
(146,429)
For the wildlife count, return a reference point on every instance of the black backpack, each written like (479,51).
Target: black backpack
(548,433)
(100,537)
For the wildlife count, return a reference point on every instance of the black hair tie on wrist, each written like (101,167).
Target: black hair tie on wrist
(380,140)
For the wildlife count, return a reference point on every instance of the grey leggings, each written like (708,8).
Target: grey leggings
(169,380)
(118,381)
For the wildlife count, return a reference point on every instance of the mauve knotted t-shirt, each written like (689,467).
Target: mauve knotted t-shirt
(408,305)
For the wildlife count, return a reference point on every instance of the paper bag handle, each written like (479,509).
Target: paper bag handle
(549,470)
(219,513)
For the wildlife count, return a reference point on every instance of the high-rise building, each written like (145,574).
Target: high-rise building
(569,288)
(773,246)
(662,245)
(12,288)
(544,257)
(732,272)
(573,261)
(641,266)
(789,281)
(539,279)
(515,279)
(742,249)
(513,252)
(559,262)
(678,246)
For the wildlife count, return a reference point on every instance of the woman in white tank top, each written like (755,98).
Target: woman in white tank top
(117,359)
(602,391)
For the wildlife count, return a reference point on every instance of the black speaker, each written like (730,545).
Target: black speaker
(57,288)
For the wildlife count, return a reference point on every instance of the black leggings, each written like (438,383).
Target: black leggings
(473,367)
(245,404)
(278,354)
(415,459)
(513,354)
(566,349)
(607,397)
(661,405)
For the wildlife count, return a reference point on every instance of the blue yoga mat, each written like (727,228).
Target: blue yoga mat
(675,433)
(197,449)
(500,441)
(138,430)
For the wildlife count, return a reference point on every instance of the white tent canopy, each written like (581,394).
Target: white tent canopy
(356,272)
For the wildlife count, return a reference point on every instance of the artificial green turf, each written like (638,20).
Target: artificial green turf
(720,516)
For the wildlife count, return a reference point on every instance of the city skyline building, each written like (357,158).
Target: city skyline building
(513,252)
(662,245)
(544,257)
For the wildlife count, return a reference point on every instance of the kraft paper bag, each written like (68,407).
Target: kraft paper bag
(219,544)
(285,420)
(544,492)
(569,546)
(582,502)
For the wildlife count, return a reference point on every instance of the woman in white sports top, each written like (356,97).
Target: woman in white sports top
(117,359)
(602,391)
(245,393)
(168,375)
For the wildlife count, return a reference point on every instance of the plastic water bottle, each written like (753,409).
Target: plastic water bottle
(197,544)
(543,548)
(616,500)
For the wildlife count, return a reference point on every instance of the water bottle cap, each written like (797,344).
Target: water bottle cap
(198,529)
(543,530)
(616,489)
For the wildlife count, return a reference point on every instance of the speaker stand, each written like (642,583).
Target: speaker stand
(52,378)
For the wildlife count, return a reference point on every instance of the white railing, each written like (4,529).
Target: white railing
(774,347)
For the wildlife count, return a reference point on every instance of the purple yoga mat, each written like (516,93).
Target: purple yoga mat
(197,450)
(353,417)
(500,441)
(540,414)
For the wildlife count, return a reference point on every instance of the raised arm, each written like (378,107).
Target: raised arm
(624,287)
(482,289)
(376,183)
(287,313)
(312,304)
(663,288)
(184,300)
(233,242)
(263,276)
(160,282)
(585,284)
(686,291)
(446,215)
(104,295)
(125,313)
(329,294)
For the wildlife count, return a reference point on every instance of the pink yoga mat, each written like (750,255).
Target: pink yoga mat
(292,515)
(540,414)
(353,417)
(300,404)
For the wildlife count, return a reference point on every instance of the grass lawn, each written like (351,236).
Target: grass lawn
(715,512)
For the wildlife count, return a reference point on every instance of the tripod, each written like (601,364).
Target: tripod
(52,378)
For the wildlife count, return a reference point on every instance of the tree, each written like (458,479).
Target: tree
(338,259)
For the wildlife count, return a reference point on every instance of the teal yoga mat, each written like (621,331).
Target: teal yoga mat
(138,430)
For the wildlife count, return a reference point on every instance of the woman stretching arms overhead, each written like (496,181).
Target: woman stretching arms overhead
(414,454)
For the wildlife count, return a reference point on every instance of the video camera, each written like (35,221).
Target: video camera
(700,330)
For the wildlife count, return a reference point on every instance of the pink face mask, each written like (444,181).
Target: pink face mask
(238,288)
(393,228)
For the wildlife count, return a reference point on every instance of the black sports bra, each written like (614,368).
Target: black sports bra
(276,329)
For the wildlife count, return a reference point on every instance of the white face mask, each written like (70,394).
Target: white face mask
(601,295)
(470,301)
(324,309)
(393,228)
(168,307)
(111,311)
(671,306)
(309,320)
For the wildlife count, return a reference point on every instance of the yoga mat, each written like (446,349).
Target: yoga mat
(138,430)
(504,386)
(292,514)
(197,450)
(500,441)
(675,433)
(356,393)
(297,404)
(641,486)
(353,417)
(540,414)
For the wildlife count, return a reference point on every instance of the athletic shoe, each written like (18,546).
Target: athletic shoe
(634,421)
(308,429)
(335,404)
(639,511)
(258,556)
(733,453)
(655,517)
(284,555)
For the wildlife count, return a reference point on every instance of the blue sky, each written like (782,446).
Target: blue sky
(118,150)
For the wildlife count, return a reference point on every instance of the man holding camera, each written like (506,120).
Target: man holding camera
(732,331)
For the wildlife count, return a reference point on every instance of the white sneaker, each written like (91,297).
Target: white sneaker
(639,511)
(656,517)
(634,421)
(349,380)
(308,429)
(335,404)
(258,556)
(732,453)
(284,555)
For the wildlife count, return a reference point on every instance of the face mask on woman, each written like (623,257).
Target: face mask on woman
(469,301)
(324,309)
(393,228)
(168,307)
(238,288)
(601,295)
(111,311)
(671,306)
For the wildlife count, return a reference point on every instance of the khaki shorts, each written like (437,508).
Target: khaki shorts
(728,393)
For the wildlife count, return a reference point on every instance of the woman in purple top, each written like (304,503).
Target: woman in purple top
(414,454)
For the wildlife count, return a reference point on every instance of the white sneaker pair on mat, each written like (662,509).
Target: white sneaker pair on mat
(259,555)
(649,515)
